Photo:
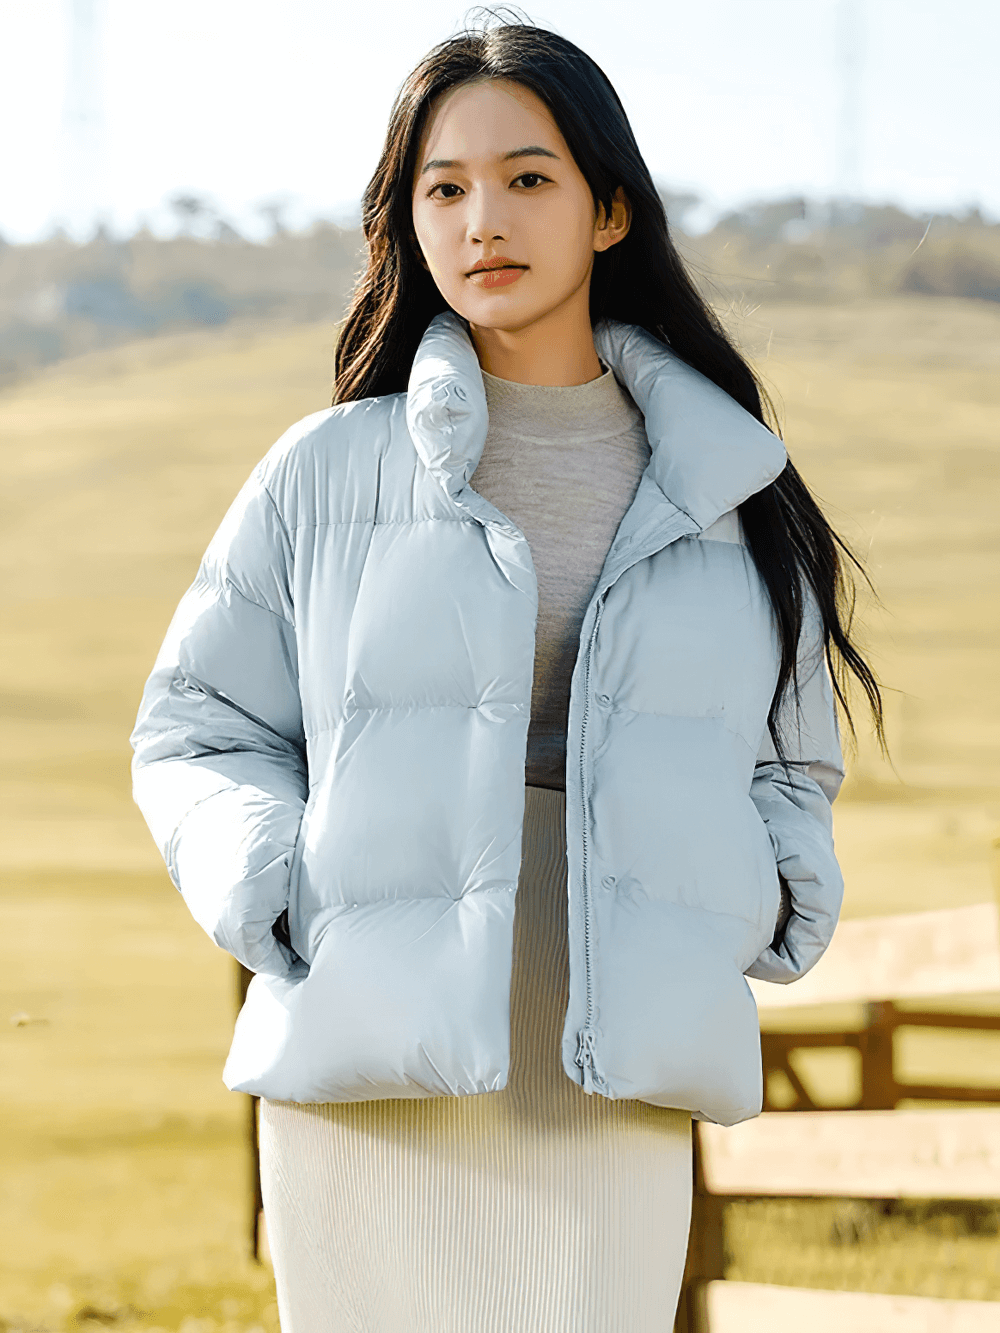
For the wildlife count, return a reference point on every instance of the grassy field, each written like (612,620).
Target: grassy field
(121,1159)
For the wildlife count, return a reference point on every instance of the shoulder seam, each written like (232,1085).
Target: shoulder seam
(281,519)
(252,601)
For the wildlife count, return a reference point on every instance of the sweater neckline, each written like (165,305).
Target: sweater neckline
(708,452)
(600,407)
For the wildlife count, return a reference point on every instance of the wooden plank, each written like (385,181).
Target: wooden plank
(953,1154)
(706,1255)
(263,1248)
(955,951)
(746,1307)
(243,978)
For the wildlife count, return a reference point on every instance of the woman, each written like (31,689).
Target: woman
(538,615)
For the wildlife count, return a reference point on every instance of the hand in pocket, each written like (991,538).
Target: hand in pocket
(785,911)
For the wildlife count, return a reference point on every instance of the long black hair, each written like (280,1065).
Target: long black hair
(640,280)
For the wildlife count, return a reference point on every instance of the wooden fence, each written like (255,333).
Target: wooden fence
(868,1149)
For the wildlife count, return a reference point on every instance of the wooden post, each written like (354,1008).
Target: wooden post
(879,1091)
(243,978)
(706,1256)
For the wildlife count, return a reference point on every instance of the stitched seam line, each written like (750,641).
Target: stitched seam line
(278,515)
(250,601)
(509,887)
(699,717)
(381,522)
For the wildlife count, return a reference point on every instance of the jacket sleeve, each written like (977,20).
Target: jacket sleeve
(219,770)
(794,800)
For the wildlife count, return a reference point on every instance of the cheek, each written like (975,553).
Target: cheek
(564,235)
(432,237)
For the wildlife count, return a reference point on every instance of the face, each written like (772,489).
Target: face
(502,214)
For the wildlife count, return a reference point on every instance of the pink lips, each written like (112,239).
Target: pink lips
(500,277)
(496,272)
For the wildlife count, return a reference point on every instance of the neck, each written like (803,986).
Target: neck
(557,349)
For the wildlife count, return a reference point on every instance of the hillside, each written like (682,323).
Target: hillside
(59,299)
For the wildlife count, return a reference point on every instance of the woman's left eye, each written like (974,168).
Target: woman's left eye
(530,178)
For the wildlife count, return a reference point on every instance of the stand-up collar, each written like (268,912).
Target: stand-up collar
(708,453)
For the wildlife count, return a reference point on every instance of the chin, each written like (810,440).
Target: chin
(503,316)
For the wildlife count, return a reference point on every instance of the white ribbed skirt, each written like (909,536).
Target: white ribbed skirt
(537,1209)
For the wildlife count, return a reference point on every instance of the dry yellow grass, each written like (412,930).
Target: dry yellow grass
(122,1160)
(892,411)
(120,1150)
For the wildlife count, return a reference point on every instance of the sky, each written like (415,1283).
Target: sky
(251,102)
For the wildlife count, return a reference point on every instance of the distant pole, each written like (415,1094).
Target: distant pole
(83,117)
(850,57)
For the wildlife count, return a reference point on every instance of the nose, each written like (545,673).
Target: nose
(487,219)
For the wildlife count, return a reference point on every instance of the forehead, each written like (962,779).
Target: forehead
(485,119)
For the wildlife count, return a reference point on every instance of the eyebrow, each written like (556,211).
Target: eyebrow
(533,150)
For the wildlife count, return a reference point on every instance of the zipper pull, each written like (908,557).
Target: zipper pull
(586,1059)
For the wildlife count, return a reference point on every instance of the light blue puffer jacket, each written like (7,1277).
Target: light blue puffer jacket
(337,720)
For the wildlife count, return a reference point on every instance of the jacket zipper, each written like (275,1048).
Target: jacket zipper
(586,1053)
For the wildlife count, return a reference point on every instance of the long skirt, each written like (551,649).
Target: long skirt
(536,1209)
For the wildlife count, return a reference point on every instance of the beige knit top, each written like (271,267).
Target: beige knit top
(562,464)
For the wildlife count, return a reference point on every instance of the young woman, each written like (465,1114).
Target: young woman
(493,727)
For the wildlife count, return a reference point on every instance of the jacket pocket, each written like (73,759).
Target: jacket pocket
(769,883)
(296,918)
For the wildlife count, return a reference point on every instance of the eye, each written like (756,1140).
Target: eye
(531,179)
(444,185)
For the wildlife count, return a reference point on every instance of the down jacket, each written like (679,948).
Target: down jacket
(336,725)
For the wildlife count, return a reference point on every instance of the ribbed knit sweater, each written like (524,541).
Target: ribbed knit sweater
(562,464)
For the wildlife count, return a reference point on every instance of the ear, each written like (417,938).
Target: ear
(608,231)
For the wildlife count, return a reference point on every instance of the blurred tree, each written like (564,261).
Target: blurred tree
(677,203)
(765,222)
(274,211)
(190,209)
(226,232)
(952,270)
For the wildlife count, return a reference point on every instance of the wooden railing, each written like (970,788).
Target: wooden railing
(867,1149)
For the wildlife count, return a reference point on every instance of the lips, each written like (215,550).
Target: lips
(498,261)
(496,272)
